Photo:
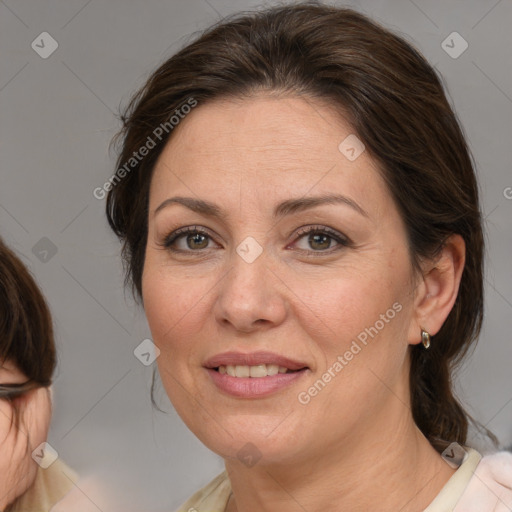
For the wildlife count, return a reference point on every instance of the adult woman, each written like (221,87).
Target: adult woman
(32,478)
(306,239)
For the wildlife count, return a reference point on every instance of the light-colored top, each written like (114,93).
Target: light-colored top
(478,485)
(49,487)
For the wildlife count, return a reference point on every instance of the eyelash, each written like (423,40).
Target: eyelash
(331,233)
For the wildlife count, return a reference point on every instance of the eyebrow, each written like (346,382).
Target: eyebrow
(287,207)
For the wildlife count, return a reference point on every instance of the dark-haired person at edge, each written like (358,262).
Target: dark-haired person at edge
(31,479)
(306,240)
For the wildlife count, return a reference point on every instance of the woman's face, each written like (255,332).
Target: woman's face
(254,287)
(17,468)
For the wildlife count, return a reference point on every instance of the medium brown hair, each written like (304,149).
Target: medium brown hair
(395,103)
(26,337)
(26,329)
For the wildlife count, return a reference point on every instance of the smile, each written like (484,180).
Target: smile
(258,371)
(253,375)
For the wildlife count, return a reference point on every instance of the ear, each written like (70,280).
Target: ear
(437,289)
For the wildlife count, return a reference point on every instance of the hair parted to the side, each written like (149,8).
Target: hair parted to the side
(396,104)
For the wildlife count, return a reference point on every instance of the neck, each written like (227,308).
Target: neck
(385,469)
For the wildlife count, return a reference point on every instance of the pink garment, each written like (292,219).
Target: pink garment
(490,487)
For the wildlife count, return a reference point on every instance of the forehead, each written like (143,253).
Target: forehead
(264,145)
(260,125)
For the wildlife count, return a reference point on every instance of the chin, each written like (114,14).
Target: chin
(252,437)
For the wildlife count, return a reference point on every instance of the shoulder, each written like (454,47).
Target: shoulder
(490,487)
(49,487)
(213,497)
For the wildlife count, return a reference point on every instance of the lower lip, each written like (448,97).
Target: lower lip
(253,387)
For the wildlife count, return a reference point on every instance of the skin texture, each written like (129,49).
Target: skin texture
(17,468)
(354,446)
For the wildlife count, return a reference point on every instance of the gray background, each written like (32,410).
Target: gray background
(57,118)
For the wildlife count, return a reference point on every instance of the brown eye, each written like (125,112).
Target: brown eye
(320,239)
(188,239)
(197,241)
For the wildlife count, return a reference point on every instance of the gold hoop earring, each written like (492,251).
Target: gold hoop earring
(425,338)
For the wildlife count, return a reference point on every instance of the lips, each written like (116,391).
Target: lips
(254,375)
(253,359)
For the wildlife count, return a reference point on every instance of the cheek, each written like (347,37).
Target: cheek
(5,420)
(171,304)
(364,320)
(354,303)
(17,469)
(35,415)
(40,418)
(174,292)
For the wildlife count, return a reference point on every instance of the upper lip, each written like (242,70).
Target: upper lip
(253,359)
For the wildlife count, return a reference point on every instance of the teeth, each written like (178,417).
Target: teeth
(260,370)
(272,369)
(242,371)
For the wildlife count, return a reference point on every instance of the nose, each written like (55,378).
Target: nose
(251,296)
